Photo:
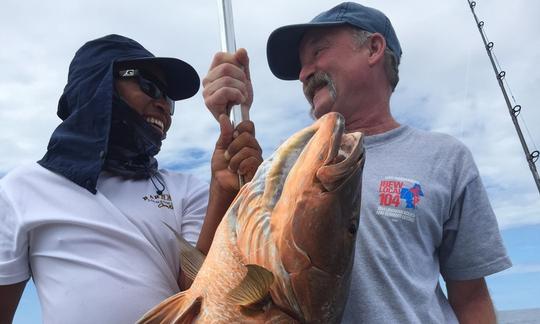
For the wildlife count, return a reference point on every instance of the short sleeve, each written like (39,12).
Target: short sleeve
(14,266)
(472,246)
(195,204)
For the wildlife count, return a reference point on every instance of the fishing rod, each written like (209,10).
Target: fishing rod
(513,110)
(228,44)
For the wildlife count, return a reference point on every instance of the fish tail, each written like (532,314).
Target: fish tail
(178,309)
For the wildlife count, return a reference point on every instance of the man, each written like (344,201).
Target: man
(424,210)
(88,222)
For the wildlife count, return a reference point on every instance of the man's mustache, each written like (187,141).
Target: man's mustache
(318,80)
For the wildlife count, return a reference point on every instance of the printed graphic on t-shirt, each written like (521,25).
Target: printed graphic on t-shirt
(399,198)
(161,201)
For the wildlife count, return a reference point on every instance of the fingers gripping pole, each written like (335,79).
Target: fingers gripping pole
(228,44)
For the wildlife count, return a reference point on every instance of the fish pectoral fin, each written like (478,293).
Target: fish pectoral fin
(176,309)
(254,287)
(191,259)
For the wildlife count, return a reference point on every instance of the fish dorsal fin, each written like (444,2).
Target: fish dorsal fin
(191,259)
(175,309)
(254,287)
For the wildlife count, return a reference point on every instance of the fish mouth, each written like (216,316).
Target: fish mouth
(341,161)
(331,157)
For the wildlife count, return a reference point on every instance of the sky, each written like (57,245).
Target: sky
(446,85)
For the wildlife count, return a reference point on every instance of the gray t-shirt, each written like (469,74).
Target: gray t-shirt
(425,212)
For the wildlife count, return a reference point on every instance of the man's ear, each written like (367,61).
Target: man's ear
(376,45)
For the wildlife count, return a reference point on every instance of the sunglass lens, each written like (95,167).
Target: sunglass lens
(150,88)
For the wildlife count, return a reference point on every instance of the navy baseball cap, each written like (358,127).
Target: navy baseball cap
(182,81)
(282,47)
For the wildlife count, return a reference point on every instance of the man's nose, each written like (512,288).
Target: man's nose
(164,105)
(306,72)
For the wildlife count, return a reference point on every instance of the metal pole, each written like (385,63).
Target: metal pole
(514,111)
(228,44)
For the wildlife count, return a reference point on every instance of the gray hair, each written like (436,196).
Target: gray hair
(390,60)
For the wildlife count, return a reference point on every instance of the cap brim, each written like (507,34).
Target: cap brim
(181,79)
(283,45)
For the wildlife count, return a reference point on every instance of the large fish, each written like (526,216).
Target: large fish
(284,250)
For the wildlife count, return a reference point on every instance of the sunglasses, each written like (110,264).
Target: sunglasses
(148,85)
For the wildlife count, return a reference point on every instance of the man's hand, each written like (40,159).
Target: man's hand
(237,153)
(228,83)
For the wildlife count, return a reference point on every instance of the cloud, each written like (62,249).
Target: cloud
(517,269)
(193,160)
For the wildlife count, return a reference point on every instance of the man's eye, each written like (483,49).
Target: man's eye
(318,51)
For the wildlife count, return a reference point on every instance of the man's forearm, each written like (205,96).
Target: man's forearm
(218,203)
(471,301)
(9,299)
